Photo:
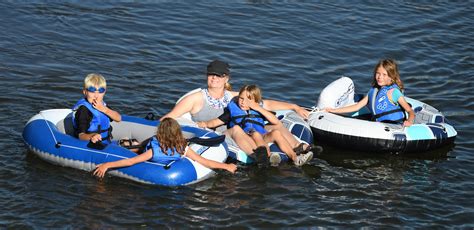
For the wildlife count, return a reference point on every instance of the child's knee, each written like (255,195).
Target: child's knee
(275,133)
(255,134)
(278,125)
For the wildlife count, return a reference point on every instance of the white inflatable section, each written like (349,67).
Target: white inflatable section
(212,153)
(338,94)
(187,115)
(353,127)
(53,115)
(186,121)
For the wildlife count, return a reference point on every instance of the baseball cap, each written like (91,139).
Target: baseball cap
(218,68)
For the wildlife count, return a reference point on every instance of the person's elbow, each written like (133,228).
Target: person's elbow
(173,114)
(165,116)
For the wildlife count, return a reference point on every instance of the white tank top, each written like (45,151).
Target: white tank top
(212,108)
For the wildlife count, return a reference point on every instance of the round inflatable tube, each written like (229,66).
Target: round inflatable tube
(356,132)
(290,119)
(50,136)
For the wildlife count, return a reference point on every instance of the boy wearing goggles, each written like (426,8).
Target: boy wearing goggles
(91,117)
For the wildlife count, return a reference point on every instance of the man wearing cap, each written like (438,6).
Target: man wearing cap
(209,103)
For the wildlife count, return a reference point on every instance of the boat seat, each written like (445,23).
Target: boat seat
(65,126)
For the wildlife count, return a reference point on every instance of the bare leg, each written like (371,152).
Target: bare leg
(277,137)
(285,133)
(258,138)
(244,141)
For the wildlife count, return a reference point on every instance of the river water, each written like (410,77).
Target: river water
(153,52)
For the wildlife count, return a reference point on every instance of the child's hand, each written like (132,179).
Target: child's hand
(100,170)
(201,124)
(302,112)
(407,123)
(252,104)
(99,105)
(327,109)
(231,168)
(95,138)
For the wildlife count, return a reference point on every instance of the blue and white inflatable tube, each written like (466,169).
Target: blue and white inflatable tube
(290,119)
(355,131)
(49,135)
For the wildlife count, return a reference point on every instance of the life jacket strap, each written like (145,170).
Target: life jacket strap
(100,131)
(253,122)
(386,113)
(245,119)
(234,118)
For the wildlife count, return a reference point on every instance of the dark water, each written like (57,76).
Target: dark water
(151,53)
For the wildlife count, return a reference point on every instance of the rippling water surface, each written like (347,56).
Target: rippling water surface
(152,53)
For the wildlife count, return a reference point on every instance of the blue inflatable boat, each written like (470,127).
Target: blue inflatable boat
(50,136)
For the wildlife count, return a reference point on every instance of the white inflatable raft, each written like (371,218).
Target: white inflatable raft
(356,132)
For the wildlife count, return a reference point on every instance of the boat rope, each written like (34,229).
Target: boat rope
(50,130)
(109,154)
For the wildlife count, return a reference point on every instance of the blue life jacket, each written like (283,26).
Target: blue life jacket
(382,109)
(100,122)
(158,155)
(248,121)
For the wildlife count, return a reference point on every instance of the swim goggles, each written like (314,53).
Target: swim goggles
(93,89)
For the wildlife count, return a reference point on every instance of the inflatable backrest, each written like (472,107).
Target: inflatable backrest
(65,126)
(188,115)
(337,94)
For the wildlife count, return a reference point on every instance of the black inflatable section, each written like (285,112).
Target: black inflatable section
(399,145)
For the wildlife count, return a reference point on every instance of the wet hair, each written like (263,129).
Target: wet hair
(94,79)
(392,70)
(170,136)
(254,92)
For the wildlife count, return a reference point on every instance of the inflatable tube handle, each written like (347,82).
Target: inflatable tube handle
(207,141)
(98,145)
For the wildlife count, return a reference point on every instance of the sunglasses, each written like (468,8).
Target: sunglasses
(93,89)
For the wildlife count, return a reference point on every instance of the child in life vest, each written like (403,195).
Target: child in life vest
(92,117)
(247,113)
(167,145)
(385,99)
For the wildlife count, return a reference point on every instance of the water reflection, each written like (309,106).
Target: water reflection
(363,160)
